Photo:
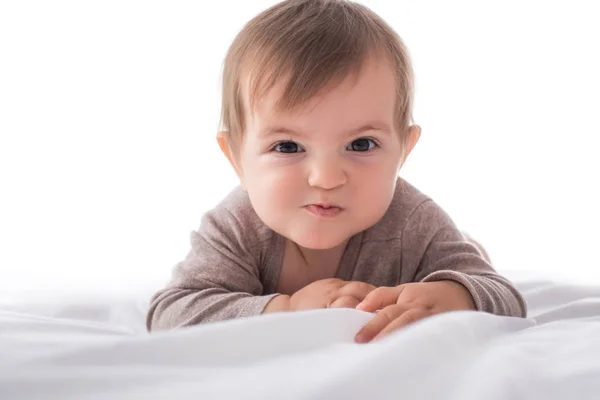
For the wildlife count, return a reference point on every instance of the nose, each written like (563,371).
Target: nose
(327,173)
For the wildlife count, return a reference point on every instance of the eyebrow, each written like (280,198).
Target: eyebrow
(371,126)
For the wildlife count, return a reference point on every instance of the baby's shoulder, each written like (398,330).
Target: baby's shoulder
(236,219)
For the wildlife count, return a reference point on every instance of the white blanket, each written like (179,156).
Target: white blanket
(100,352)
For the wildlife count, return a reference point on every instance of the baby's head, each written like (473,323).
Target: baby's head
(317,110)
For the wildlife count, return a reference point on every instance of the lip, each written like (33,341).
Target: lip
(324,210)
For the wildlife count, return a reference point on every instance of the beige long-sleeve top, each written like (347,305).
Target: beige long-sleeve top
(235,261)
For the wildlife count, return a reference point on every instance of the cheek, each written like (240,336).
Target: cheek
(275,185)
(374,187)
(375,172)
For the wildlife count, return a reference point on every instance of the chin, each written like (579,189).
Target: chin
(319,242)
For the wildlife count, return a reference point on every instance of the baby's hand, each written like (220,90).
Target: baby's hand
(330,293)
(405,304)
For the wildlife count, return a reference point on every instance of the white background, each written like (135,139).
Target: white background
(109,110)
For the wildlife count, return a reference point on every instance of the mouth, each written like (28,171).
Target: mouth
(324,210)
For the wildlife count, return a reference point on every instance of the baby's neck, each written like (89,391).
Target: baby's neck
(303,266)
(322,260)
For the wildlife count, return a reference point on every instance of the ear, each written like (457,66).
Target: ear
(225,145)
(414,133)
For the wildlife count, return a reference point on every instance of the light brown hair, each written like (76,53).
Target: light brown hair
(309,44)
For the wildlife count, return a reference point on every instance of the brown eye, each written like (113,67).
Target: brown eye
(287,147)
(362,145)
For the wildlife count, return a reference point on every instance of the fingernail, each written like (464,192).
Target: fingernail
(360,338)
(360,305)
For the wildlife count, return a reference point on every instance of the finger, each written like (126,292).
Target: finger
(380,298)
(407,318)
(333,285)
(358,290)
(382,319)
(344,302)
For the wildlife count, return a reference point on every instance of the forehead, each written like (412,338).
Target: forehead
(365,97)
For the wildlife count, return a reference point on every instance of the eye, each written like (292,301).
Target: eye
(288,147)
(362,145)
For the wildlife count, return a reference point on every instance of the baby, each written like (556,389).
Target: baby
(317,121)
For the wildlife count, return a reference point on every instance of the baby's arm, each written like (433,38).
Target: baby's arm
(218,280)
(435,250)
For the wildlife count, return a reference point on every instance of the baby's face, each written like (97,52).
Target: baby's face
(342,150)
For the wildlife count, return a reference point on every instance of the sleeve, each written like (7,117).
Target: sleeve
(439,251)
(218,280)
